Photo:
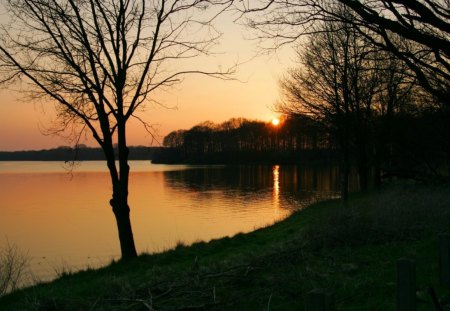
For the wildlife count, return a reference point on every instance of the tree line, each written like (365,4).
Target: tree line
(401,145)
(77,153)
(240,140)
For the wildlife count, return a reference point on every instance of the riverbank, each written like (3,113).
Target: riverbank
(350,250)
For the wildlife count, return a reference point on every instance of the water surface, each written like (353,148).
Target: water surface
(62,218)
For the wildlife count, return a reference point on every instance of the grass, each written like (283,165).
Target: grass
(351,251)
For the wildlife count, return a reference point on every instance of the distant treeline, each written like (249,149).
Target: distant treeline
(414,143)
(241,140)
(79,153)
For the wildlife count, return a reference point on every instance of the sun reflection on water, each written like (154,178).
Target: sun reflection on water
(276,188)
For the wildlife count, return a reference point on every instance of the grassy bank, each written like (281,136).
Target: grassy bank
(350,250)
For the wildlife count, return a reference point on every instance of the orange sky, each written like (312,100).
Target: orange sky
(197,99)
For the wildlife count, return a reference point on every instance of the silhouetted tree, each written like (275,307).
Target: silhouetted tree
(174,139)
(100,62)
(336,84)
(412,37)
(423,27)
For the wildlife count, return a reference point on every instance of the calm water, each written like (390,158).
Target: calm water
(63,219)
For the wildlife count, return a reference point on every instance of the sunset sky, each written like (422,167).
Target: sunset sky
(196,100)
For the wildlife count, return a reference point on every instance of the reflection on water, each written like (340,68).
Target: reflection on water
(276,187)
(65,219)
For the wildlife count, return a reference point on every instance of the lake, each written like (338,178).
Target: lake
(62,219)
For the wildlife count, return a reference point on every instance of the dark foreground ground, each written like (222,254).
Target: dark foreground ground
(351,251)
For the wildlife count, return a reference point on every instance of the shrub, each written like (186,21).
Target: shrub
(12,267)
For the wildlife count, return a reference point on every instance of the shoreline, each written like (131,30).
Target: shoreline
(350,250)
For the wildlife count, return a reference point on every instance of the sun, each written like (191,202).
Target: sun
(275,121)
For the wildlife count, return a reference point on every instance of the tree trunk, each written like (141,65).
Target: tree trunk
(363,167)
(344,169)
(119,201)
(377,170)
(344,183)
(121,212)
(120,197)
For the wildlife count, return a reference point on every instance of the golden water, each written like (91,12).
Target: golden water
(62,218)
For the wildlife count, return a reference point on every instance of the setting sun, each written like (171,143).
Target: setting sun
(275,122)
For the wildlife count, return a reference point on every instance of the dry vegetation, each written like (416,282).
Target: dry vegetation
(13,264)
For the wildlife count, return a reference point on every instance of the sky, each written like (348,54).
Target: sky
(251,95)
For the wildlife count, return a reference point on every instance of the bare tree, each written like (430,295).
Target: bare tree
(100,62)
(336,83)
(422,25)
(413,33)
(353,87)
